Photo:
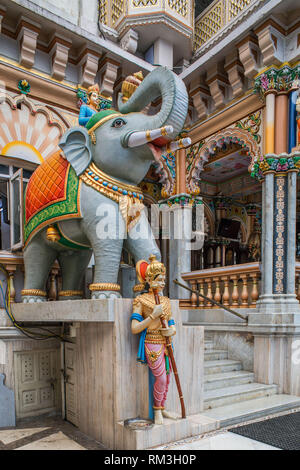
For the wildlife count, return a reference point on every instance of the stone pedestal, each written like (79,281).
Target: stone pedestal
(277,350)
(111,386)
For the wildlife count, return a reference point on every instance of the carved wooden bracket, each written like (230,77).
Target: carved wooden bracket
(129,41)
(218,91)
(235,72)
(59,51)
(108,73)
(89,62)
(201,98)
(271,43)
(249,55)
(27,34)
(218,84)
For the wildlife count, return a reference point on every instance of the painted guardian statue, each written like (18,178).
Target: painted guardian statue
(146,320)
(95,176)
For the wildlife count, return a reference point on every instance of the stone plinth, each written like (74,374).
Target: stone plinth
(111,386)
(277,342)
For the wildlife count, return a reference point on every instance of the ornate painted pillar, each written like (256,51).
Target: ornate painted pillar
(277,170)
(292,120)
(270,122)
(279,191)
(276,322)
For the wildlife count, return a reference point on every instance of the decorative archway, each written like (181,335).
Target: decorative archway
(209,147)
(28,131)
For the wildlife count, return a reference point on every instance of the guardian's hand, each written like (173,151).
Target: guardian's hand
(157,311)
(167,331)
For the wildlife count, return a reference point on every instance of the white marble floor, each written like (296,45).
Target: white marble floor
(46,433)
(219,441)
(55,434)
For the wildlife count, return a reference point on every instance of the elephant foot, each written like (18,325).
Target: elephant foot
(105,290)
(30,299)
(106,294)
(70,295)
(30,296)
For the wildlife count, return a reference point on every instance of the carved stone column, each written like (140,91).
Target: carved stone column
(177,214)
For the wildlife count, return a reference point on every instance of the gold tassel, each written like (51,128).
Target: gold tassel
(93,137)
(52,234)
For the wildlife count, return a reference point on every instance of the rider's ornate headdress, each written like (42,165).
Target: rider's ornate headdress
(94,88)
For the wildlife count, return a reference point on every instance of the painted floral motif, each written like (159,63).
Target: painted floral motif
(182,200)
(24,87)
(283,79)
(170,160)
(192,154)
(251,124)
(276,164)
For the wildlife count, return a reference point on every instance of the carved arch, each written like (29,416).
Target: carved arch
(28,131)
(208,149)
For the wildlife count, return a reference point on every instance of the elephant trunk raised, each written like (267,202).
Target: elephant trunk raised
(163,83)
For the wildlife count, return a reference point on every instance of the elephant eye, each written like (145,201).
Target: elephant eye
(118,123)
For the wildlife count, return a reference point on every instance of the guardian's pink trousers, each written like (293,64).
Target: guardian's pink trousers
(162,379)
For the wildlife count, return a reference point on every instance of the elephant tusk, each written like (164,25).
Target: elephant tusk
(144,137)
(177,144)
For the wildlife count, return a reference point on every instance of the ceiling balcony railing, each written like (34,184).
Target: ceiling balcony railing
(217,18)
(116,13)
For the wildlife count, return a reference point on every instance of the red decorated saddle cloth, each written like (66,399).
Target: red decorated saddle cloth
(52,194)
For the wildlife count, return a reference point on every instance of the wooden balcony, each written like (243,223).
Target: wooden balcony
(236,286)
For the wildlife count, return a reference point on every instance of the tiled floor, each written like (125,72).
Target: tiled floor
(52,433)
(46,433)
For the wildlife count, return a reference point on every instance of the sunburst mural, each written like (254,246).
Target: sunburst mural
(27,131)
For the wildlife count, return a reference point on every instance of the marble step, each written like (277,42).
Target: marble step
(226,379)
(236,393)
(222,365)
(215,354)
(237,413)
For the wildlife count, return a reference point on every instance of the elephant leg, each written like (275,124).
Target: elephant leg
(73,265)
(38,259)
(107,254)
(107,249)
(141,242)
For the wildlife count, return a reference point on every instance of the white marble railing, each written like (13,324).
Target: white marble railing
(13,267)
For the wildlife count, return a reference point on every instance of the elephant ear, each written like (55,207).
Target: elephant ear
(76,146)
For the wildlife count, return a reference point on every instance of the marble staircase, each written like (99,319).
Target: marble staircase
(232,396)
